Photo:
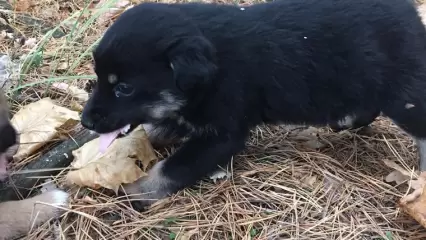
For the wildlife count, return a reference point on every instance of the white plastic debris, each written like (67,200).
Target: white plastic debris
(220,174)
(9,71)
(48,185)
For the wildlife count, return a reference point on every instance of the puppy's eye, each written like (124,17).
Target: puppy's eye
(123,90)
(112,78)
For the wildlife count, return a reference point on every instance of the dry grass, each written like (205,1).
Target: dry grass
(280,187)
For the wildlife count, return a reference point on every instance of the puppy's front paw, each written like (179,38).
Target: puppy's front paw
(148,190)
(143,195)
(49,204)
(19,217)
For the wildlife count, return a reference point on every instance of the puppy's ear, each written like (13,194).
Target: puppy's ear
(192,60)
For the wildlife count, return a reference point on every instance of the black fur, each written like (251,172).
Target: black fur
(8,139)
(302,62)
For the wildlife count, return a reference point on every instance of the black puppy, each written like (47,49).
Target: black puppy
(210,73)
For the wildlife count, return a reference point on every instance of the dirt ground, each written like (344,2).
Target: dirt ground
(288,184)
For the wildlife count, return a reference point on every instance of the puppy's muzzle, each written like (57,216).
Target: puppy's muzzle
(87,122)
(89,118)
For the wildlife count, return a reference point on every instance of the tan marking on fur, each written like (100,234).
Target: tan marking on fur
(17,218)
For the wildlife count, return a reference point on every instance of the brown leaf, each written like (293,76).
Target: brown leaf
(414,204)
(310,180)
(333,187)
(314,144)
(112,11)
(76,106)
(396,167)
(38,122)
(419,182)
(74,91)
(116,166)
(396,176)
(21,5)
(183,235)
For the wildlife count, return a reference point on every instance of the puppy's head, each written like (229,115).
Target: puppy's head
(8,137)
(149,64)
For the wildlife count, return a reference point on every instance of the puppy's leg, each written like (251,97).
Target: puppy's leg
(18,217)
(410,115)
(165,133)
(197,158)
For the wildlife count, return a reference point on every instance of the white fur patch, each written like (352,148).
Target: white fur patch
(347,121)
(160,111)
(60,198)
(166,106)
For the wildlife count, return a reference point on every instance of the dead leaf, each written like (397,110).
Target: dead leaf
(21,5)
(112,11)
(333,187)
(414,204)
(67,128)
(38,123)
(314,144)
(303,133)
(116,166)
(76,106)
(310,180)
(30,43)
(418,183)
(396,167)
(63,66)
(87,199)
(396,176)
(186,235)
(3,21)
(74,91)
(400,175)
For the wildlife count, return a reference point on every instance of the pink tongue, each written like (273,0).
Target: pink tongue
(106,139)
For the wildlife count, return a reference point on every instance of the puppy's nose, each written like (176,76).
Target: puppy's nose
(87,122)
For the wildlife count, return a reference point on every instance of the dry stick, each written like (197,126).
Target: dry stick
(58,157)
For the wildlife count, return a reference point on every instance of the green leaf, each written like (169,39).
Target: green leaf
(172,236)
(170,221)
(253,232)
(389,235)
